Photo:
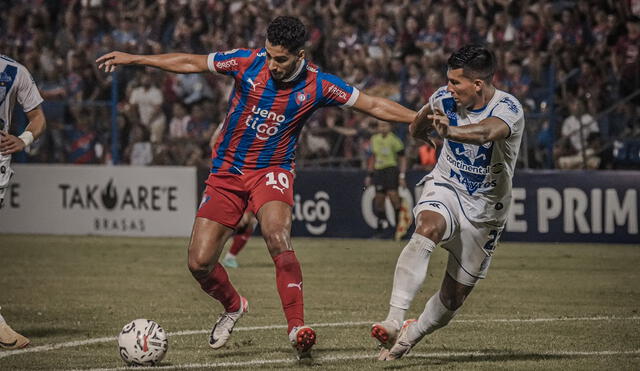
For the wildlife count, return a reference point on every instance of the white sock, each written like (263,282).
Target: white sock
(411,271)
(435,316)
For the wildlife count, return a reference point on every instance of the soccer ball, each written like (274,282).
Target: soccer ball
(142,342)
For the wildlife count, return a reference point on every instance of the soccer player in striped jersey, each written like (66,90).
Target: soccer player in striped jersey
(16,85)
(276,90)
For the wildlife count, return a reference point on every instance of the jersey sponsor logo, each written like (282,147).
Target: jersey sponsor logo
(338,92)
(226,64)
(267,128)
(471,184)
(510,104)
(462,165)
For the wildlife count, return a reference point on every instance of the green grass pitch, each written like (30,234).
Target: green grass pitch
(542,306)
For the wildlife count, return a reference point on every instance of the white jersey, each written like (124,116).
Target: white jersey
(480,175)
(16,84)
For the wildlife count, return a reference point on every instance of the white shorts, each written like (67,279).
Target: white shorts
(5,176)
(470,244)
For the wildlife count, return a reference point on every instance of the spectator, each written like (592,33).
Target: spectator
(395,47)
(178,127)
(148,99)
(575,131)
(82,140)
(140,151)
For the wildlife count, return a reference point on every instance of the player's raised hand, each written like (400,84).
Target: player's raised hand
(440,122)
(10,144)
(110,61)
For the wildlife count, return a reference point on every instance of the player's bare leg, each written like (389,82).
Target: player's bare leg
(438,312)
(243,233)
(275,225)
(411,271)
(206,244)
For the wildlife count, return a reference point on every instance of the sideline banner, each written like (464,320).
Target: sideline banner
(547,206)
(100,200)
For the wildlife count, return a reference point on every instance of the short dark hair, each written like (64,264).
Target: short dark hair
(476,61)
(288,32)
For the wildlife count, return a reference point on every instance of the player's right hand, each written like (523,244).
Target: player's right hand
(110,61)
(10,144)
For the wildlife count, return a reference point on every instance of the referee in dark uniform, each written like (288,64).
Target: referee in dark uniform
(387,166)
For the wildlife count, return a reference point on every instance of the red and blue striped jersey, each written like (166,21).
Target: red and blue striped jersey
(265,116)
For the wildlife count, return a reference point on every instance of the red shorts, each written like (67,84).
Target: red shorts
(228,195)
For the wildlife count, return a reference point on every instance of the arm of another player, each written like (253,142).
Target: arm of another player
(421,125)
(11,144)
(487,130)
(172,62)
(383,109)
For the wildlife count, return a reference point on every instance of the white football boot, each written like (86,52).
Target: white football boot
(223,328)
(302,340)
(386,333)
(402,346)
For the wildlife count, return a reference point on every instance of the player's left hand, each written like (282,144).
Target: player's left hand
(10,144)
(440,123)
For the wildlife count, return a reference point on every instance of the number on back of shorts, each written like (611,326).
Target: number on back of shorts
(494,235)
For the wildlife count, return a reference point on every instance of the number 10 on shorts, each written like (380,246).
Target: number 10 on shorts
(281,182)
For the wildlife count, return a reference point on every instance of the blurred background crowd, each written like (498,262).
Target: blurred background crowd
(574,65)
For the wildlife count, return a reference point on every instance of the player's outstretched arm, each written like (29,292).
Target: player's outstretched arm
(487,130)
(11,144)
(172,62)
(383,109)
(421,125)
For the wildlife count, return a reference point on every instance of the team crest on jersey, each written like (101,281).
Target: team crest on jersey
(302,97)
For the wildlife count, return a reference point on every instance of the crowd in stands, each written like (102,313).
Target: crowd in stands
(574,65)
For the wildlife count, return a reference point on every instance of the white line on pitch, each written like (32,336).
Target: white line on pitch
(44,348)
(371,356)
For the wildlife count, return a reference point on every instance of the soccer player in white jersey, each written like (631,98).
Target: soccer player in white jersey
(16,84)
(464,203)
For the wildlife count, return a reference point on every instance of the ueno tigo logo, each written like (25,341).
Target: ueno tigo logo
(266,123)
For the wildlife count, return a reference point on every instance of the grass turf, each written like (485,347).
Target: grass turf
(59,289)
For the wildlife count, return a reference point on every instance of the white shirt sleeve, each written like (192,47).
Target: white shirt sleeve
(28,94)
(435,101)
(510,111)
